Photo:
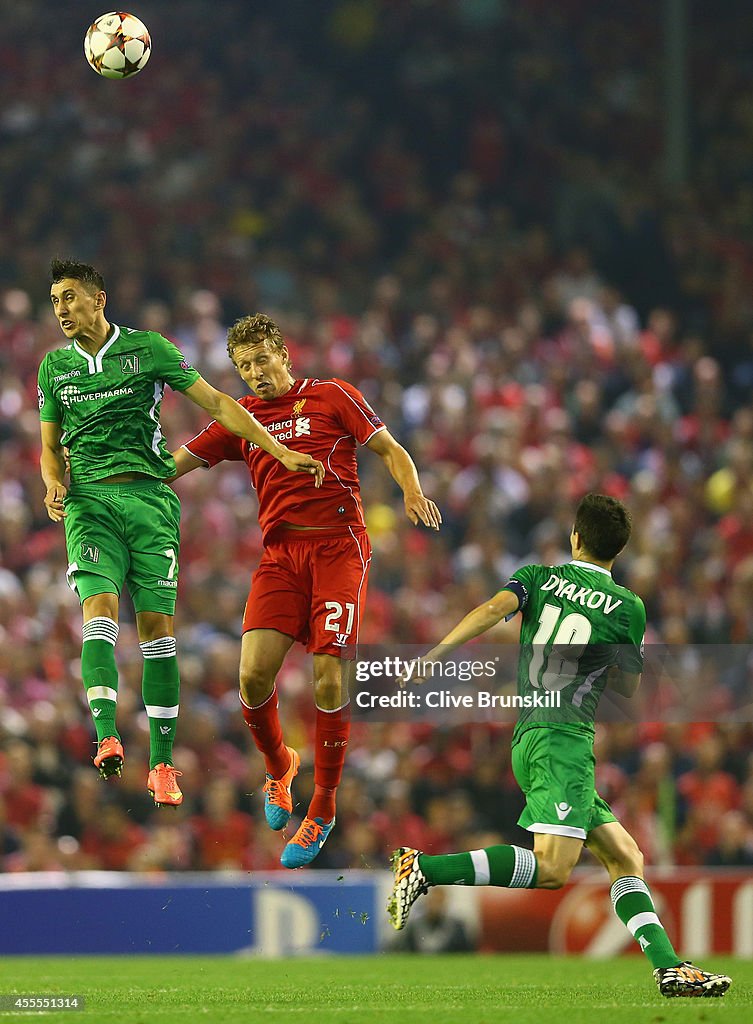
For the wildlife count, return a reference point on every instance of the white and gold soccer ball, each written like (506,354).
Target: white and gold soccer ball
(117,45)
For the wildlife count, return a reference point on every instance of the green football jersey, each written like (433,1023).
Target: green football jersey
(577,623)
(108,404)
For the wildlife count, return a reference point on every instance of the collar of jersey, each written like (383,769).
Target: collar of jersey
(95,362)
(590,565)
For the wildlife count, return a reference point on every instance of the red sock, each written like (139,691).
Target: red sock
(332,733)
(267,733)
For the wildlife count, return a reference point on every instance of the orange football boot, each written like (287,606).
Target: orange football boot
(162,783)
(109,758)
(278,800)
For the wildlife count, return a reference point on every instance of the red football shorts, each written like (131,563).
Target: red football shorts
(311,585)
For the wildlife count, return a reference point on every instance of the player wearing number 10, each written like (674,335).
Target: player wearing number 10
(310,585)
(580,632)
(99,398)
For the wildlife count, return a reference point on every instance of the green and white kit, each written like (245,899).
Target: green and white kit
(577,623)
(108,408)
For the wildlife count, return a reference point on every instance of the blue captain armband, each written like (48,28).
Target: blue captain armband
(520,592)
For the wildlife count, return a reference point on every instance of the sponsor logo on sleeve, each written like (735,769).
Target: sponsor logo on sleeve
(40,396)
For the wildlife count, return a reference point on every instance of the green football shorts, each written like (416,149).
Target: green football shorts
(124,534)
(555,770)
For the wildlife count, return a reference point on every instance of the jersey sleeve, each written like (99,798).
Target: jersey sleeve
(630,657)
(354,412)
(49,410)
(215,444)
(171,365)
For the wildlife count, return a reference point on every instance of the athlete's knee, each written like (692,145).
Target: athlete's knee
(329,693)
(256,684)
(550,873)
(154,626)
(627,859)
(100,606)
(619,853)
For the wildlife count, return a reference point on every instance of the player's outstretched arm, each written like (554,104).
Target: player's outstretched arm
(184,463)
(238,420)
(52,466)
(404,473)
(624,683)
(476,622)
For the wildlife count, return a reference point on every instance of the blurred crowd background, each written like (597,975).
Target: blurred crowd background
(465,209)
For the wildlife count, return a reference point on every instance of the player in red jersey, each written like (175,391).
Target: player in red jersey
(310,585)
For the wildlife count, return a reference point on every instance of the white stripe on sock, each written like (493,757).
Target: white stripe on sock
(101,693)
(331,711)
(255,707)
(482,872)
(640,920)
(525,865)
(162,647)
(101,628)
(628,884)
(155,711)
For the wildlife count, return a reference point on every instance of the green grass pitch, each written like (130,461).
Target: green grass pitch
(468,989)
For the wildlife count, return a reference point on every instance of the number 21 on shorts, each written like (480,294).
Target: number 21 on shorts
(336,613)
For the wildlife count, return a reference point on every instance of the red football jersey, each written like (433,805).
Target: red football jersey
(326,419)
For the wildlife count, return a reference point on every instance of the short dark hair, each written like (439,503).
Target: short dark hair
(604,525)
(60,269)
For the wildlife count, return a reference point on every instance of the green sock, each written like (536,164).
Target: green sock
(100,673)
(511,866)
(160,689)
(635,908)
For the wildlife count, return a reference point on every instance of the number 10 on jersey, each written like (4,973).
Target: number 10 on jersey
(560,664)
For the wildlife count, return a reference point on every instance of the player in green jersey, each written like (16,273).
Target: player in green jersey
(580,632)
(99,401)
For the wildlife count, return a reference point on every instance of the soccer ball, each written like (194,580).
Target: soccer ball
(117,45)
